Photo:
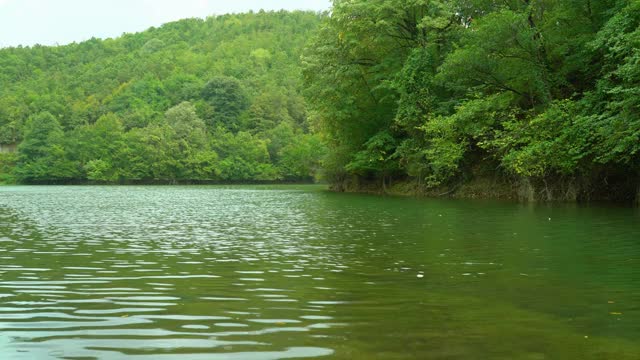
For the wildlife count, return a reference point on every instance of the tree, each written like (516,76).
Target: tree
(132,108)
(188,127)
(98,148)
(196,160)
(244,157)
(534,91)
(301,159)
(351,70)
(42,156)
(228,100)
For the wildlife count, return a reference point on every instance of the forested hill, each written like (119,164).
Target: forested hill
(194,100)
(532,98)
(540,97)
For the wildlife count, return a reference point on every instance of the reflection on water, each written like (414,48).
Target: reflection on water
(295,272)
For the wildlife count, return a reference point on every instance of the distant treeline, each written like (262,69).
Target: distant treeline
(540,93)
(195,100)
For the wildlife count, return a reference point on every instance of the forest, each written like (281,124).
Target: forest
(215,100)
(537,99)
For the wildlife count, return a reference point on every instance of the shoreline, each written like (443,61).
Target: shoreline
(516,190)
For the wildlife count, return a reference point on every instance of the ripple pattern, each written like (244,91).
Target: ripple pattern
(182,273)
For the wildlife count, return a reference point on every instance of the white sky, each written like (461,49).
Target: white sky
(50,22)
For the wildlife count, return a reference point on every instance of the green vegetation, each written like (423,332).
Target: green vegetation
(539,96)
(196,100)
(540,93)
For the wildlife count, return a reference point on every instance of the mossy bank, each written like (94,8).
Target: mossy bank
(526,190)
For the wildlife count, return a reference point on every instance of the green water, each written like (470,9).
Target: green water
(167,273)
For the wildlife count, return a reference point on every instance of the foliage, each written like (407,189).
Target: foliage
(7,163)
(433,89)
(378,155)
(227,101)
(193,100)
(42,154)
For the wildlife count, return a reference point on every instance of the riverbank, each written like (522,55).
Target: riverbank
(499,188)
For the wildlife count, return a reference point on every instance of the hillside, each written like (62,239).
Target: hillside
(194,100)
(531,98)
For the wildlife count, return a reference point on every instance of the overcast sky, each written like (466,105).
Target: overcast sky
(50,22)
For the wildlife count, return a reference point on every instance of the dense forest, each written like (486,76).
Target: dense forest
(532,98)
(539,98)
(195,100)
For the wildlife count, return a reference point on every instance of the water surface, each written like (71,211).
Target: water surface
(166,273)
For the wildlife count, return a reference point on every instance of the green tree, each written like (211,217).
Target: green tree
(352,65)
(228,100)
(7,165)
(244,157)
(188,127)
(98,148)
(42,156)
(120,101)
(301,159)
(538,90)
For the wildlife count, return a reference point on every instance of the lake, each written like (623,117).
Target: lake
(296,272)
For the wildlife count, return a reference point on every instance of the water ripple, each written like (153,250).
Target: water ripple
(204,273)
